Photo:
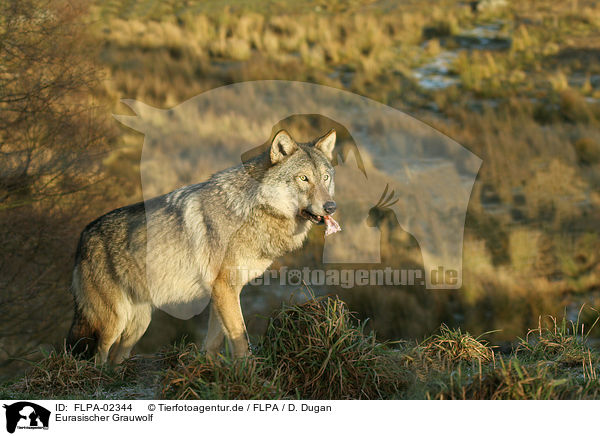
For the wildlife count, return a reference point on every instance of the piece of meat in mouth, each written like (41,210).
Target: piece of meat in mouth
(331,225)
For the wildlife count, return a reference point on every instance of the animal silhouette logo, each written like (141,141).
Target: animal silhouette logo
(26,415)
(394,237)
(431,174)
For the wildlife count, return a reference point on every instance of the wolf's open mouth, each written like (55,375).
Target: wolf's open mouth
(317,219)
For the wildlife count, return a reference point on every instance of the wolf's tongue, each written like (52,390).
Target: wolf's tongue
(332,225)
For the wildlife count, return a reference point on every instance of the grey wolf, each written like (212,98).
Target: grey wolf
(243,217)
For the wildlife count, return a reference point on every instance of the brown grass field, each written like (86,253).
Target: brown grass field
(518,85)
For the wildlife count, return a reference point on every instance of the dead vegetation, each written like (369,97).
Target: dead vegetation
(318,350)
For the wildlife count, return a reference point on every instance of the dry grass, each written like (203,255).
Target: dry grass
(61,375)
(318,350)
(556,364)
(562,342)
(511,380)
(192,376)
(454,346)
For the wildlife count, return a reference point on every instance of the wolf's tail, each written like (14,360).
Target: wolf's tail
(83,338)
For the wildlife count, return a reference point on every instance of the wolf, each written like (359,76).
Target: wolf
(240,219)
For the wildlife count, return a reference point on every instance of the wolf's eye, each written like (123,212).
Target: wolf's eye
(303,178)
(326,177)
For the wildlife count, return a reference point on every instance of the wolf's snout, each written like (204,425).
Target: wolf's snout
(329,207)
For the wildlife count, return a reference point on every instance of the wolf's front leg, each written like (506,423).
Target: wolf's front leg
(215,333)
(226,303)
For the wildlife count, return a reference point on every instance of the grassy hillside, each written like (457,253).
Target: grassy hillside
(517,85)
(320,350)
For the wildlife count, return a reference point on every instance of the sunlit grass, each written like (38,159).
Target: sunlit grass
(319,350)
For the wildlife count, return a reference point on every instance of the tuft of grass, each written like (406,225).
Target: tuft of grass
(61,375)
(320,351)
(193,376)
(452,344)
(513,380)
(563,342)
(587,150)
(436,356)
(574,108)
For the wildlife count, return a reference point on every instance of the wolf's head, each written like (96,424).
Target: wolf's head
(299,181)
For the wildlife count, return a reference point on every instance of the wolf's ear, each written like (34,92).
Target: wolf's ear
(326,143)
(283,145)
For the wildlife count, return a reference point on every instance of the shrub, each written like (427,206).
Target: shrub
(587,150)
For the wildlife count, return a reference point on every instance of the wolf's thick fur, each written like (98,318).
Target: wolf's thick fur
(241,218)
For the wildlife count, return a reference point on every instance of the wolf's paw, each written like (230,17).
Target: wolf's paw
(243,354)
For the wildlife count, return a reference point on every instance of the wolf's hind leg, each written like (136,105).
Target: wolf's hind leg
(137,325)
(107,338)
(215,334)
(111,321)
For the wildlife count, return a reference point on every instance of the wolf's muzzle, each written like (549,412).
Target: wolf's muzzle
(329,207)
